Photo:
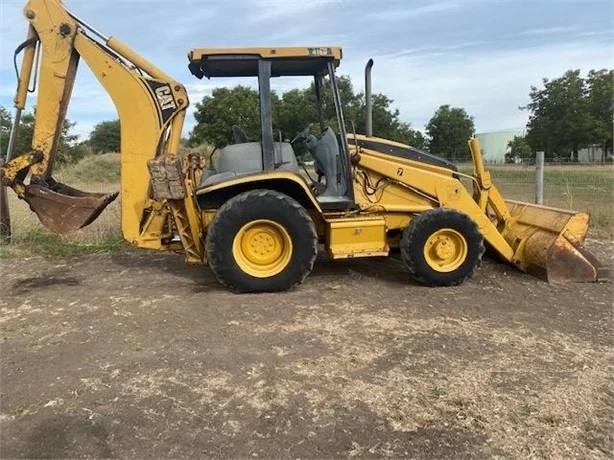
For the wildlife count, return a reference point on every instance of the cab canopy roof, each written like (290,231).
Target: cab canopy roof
(243,62)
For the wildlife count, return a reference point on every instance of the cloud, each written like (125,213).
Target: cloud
(407,11)
(550,30)
(278,10)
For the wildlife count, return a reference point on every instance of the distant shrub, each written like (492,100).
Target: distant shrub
(94,168)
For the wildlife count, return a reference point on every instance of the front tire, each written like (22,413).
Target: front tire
(261,241)
(442,247)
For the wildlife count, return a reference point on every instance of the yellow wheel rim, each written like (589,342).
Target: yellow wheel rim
(262,248)
(445,250)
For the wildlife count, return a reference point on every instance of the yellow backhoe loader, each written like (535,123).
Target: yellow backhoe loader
(251,216)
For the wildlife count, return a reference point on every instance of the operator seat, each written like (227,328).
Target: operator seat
(238,160)
(326,152)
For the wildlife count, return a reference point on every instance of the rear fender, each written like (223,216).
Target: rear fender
(212,197)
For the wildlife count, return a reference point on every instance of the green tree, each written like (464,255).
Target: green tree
(5,129)
(600,88)
(449,130)
(297,108)
(68,150)
(387,123)
(216,114)
(386,120)
(420,142)
(559,119)
(105,137)
(288,118)
(519,149)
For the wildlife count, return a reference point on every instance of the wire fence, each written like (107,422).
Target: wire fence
(580,187)
(586,187)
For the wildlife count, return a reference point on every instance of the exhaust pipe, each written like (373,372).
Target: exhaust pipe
(368,99)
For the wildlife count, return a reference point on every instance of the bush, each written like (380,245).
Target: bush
(105,137)
(94,168)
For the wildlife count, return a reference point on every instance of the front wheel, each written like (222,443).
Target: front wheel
(442,247)
(261,241)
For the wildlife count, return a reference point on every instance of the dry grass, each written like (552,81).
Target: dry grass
(527,394)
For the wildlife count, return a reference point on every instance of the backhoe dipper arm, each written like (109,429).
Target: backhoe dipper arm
(151,108)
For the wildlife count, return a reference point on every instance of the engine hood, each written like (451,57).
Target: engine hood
(399,150)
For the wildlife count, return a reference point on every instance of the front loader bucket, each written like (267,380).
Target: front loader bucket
(63,209)
(548,243)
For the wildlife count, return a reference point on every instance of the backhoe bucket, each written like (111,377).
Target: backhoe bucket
(63,209)
(548,243)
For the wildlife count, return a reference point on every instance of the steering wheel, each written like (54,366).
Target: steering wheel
(302,134)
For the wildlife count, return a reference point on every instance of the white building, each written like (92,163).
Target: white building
(494,144)
(591,154)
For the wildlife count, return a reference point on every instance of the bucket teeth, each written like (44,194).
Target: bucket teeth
(63,209)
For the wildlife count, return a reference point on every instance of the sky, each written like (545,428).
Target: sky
(481,55)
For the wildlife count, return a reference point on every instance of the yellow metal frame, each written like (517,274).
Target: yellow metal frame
(274,52)
(353,237)
(254,180)
(416,187)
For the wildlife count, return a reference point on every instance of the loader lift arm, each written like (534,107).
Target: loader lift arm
(151,107)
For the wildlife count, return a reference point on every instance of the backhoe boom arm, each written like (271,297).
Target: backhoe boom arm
(151,108)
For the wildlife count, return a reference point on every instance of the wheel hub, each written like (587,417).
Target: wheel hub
(262,248)
(445,250)
(263,245)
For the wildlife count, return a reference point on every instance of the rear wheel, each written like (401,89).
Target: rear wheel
(442,247)
(261,241)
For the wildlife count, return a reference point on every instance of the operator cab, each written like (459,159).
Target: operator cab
(329,149)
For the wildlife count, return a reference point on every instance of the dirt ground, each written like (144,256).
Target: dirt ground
(139,355)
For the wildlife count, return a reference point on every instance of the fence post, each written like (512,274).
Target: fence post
(539,178)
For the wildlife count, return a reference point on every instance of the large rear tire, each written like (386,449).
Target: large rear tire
(261,241)
(442,247)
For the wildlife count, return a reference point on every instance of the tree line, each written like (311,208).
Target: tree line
(447,131)
(291,112)
(565,114)
(69,150)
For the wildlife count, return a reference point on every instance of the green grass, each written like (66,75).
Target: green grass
(38,240)
(601,177)
(5,252)
(589,179)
